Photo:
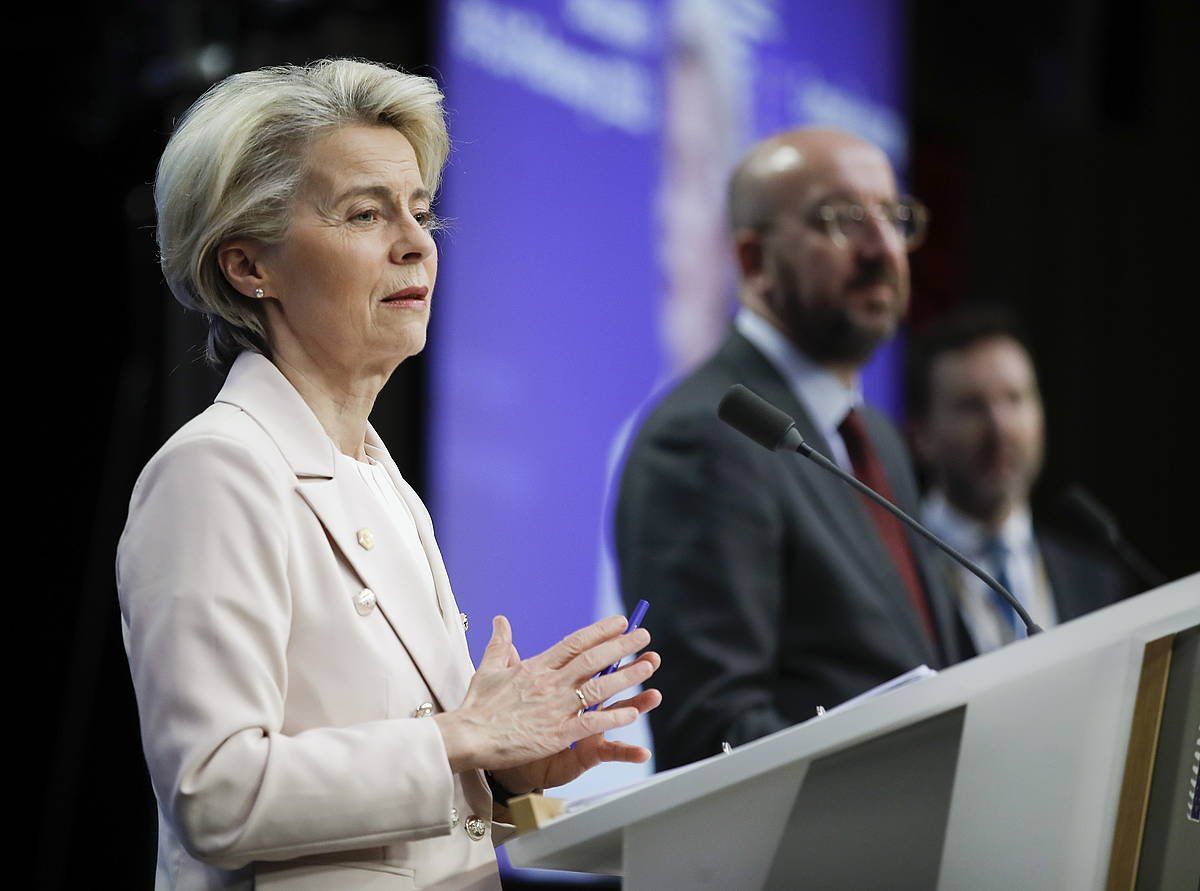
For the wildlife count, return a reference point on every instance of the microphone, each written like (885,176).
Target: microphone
(749,414)
(1096,521)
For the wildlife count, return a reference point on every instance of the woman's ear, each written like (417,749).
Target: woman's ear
(241,263)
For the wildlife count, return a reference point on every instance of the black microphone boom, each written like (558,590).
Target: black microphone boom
(1091,517)
(750,414)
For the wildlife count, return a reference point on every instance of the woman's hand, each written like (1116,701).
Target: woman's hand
(524,714)
(564,766)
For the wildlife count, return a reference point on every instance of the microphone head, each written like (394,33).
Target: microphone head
(1088,515)
(751,415)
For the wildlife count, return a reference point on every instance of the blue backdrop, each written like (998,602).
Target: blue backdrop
(585,264)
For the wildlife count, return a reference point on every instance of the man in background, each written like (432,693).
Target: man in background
(776,589)
(978,430)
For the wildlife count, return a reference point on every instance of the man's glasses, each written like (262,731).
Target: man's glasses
(846,221)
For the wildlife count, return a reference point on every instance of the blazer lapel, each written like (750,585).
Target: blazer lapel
(365,533)
(461,664)
(259,389)
(841,507)
(417,616)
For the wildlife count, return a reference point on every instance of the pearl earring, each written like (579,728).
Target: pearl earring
(258,293)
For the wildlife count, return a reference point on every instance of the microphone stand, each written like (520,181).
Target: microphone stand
(773,429)
(1031,627)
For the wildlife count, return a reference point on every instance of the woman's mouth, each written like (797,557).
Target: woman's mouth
(408,298)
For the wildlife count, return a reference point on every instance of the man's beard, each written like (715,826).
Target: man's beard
(828,334)
(968,487)
(824,328)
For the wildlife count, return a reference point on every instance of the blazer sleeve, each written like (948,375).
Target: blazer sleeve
(699,535)
(205,604)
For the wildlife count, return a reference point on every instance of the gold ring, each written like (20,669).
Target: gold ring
(583,703)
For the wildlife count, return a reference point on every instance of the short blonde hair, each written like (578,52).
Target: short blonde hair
(234,162)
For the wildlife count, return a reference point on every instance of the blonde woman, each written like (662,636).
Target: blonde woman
(309,711)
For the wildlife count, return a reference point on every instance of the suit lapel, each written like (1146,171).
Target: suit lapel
(840,506)
(942,601)
(957,640)
(1064,578)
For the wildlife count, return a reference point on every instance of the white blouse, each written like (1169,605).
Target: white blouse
(373,478)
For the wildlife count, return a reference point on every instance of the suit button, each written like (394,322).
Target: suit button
(424,710)
(364,602)
(462,617)
(366,539)
(453,817)
(475,827)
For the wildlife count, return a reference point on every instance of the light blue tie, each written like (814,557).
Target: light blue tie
(996,553)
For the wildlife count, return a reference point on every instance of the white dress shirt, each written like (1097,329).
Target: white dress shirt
(989,626)
(819,390)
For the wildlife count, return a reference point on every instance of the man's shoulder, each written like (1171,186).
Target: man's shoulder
(687,407)
(1082,569)
(697,392)
(1063,541)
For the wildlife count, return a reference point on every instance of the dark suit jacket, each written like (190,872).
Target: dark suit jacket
(770,590)
(1083,577)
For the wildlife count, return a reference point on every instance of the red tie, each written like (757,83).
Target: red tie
(869,470)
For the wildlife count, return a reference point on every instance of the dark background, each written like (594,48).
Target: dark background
(1048,141)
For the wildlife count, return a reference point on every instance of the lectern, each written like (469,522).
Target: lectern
(1067,761)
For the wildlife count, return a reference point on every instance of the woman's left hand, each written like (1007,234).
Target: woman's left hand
(564,766)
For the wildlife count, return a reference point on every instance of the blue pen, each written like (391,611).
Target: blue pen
(635,622)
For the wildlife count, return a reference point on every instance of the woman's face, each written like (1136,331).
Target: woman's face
(352,281)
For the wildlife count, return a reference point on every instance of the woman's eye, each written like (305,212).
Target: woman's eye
(427,219)
(369,215)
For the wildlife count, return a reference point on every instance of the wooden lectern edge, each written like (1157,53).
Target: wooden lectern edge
(1139,765)
(534,810)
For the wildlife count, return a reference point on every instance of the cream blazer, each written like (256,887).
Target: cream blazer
(286,651)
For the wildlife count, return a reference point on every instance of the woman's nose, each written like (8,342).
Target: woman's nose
(413,243)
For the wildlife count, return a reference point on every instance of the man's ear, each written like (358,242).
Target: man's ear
(240,260)
(748,251)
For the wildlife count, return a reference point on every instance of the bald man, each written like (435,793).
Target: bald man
(775,588)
